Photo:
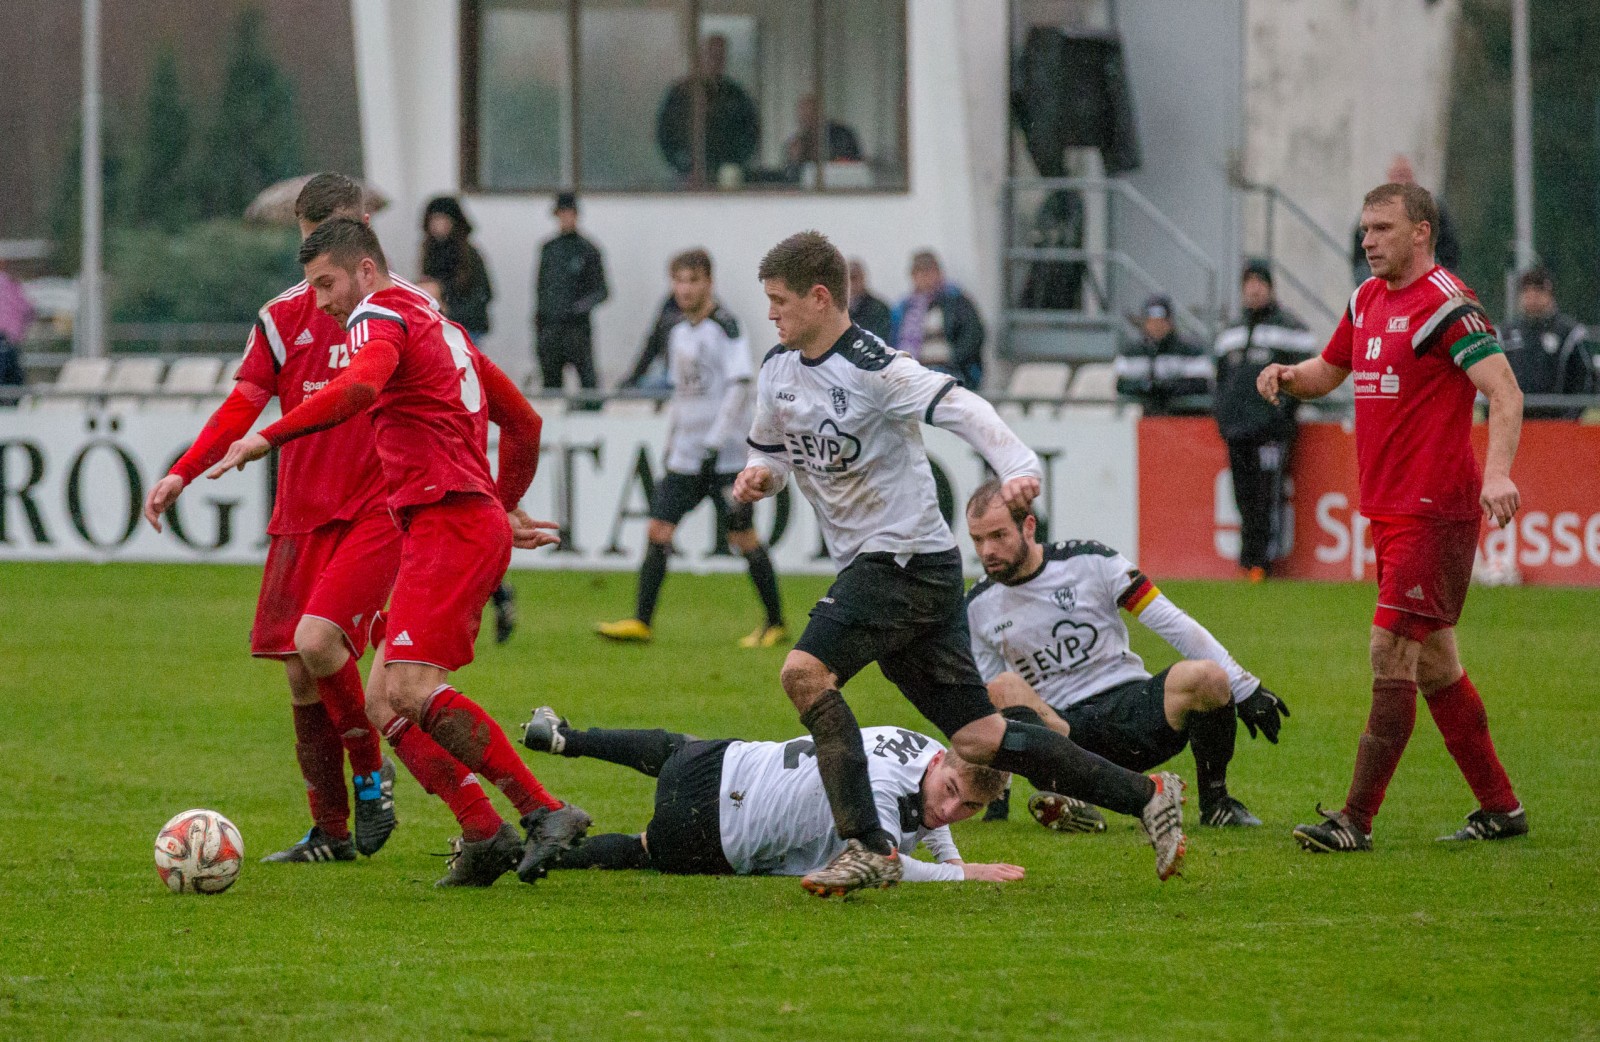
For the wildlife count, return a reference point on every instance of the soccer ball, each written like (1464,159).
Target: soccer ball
(198,852)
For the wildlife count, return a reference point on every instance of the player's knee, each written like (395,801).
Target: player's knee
(804,679)
(1009,689)
(321,646)
(980,740)
(1209,688)
(659,532)
(744,541)
(1393,656)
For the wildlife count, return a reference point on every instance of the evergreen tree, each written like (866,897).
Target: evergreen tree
(161,196)
(253,139)
(66,209)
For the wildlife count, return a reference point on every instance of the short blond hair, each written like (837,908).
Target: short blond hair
(986,782)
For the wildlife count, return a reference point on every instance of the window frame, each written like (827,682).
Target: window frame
(470,142)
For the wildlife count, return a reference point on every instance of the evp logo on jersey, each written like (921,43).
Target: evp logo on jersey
(829,451)
(1073,642)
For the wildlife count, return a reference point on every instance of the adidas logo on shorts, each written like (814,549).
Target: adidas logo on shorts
(403,640)
(1415,593)
(303,339)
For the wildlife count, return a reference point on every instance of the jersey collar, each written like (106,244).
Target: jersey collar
(848,336)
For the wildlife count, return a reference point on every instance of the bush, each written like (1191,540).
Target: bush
(216,271)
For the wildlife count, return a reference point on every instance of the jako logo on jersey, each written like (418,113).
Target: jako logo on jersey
(840,402)
(828,451)
(785,396)
(1399,323)
(1073,642)
(1065,598)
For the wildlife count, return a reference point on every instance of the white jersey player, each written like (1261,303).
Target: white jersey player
(709,360)
(842,412)
(1049,640)
(758,808)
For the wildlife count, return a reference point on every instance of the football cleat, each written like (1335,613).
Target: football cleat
(375,817)
(543,734)
(550,832)
(765,637)
(627,630)
(1333,835)
(481,862)
(1227,812)
(315,845)
(1488,824)
(854,868)
(999,808)
(505,612)
(1162,819)
(1065,814)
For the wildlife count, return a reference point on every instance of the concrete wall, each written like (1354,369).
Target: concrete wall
(1333,89)
(407,68)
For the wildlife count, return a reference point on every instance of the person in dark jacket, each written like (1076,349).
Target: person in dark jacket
(452,261)
(646,375)
(938,325)
(1163,368)
(1447,251)
(1548,351)
(571,284)
(732,124)
(866,310)
(1260,435)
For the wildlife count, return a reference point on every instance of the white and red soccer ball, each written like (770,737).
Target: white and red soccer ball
(199,852)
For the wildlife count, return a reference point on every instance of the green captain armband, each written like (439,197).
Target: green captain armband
(1474,348)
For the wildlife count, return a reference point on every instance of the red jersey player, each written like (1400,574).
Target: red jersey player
(432,397)
(333,554)
(1421,348)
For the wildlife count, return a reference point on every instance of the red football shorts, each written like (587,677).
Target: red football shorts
(1424,569)
(341,572)
(453,554)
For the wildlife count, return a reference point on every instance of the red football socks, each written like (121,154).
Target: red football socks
(1462,720)
(471,736)
(347,707)
(445,777)
(321,757)
(1389,725)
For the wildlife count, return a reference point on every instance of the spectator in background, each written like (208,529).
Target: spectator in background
(453,262)
(1448,249)
(647,374)
(732,125)
(938,325)
(1549,352)
(1260,435)
(16,315)
(1163,368)
(571,283)
(801,149)
(866,310)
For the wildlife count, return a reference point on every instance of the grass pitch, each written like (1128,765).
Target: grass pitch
(128,696)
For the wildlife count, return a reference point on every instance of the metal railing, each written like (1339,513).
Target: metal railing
(1274,199)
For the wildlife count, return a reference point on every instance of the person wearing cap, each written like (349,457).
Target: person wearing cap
(1260,435)
(571,283)
(1163,368)
(1548,351)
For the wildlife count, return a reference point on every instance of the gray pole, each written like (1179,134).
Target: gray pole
(1522,135)
(91,338)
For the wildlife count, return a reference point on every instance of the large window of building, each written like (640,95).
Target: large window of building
(695,95)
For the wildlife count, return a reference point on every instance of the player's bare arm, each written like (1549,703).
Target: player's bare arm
(1312,378)
(1500,499)
(995,873)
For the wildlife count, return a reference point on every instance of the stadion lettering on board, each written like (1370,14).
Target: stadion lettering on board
(72,486)
(1188,528)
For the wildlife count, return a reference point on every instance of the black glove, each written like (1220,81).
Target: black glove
(708,463)
(1265,710)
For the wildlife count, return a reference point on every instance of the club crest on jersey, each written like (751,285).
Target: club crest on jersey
(829,451)
(840,402)
(1065,598)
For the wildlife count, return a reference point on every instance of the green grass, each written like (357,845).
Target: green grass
(127,696)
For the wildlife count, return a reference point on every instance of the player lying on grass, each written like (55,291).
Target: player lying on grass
(1053,648)
(758,808)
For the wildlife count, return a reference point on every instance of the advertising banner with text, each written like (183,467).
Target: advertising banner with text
(71,488)
(1189,526)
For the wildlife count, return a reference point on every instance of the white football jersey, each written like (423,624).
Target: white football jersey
(849,425)
(775,816)
(1062,630)
(710,409)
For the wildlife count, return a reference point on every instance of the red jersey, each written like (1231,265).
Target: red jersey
(1410,350)
(430,419)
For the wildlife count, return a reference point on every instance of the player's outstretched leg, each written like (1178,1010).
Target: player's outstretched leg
(442,775)
(645,751)
(609,850)
(1458,711)
(321,758)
